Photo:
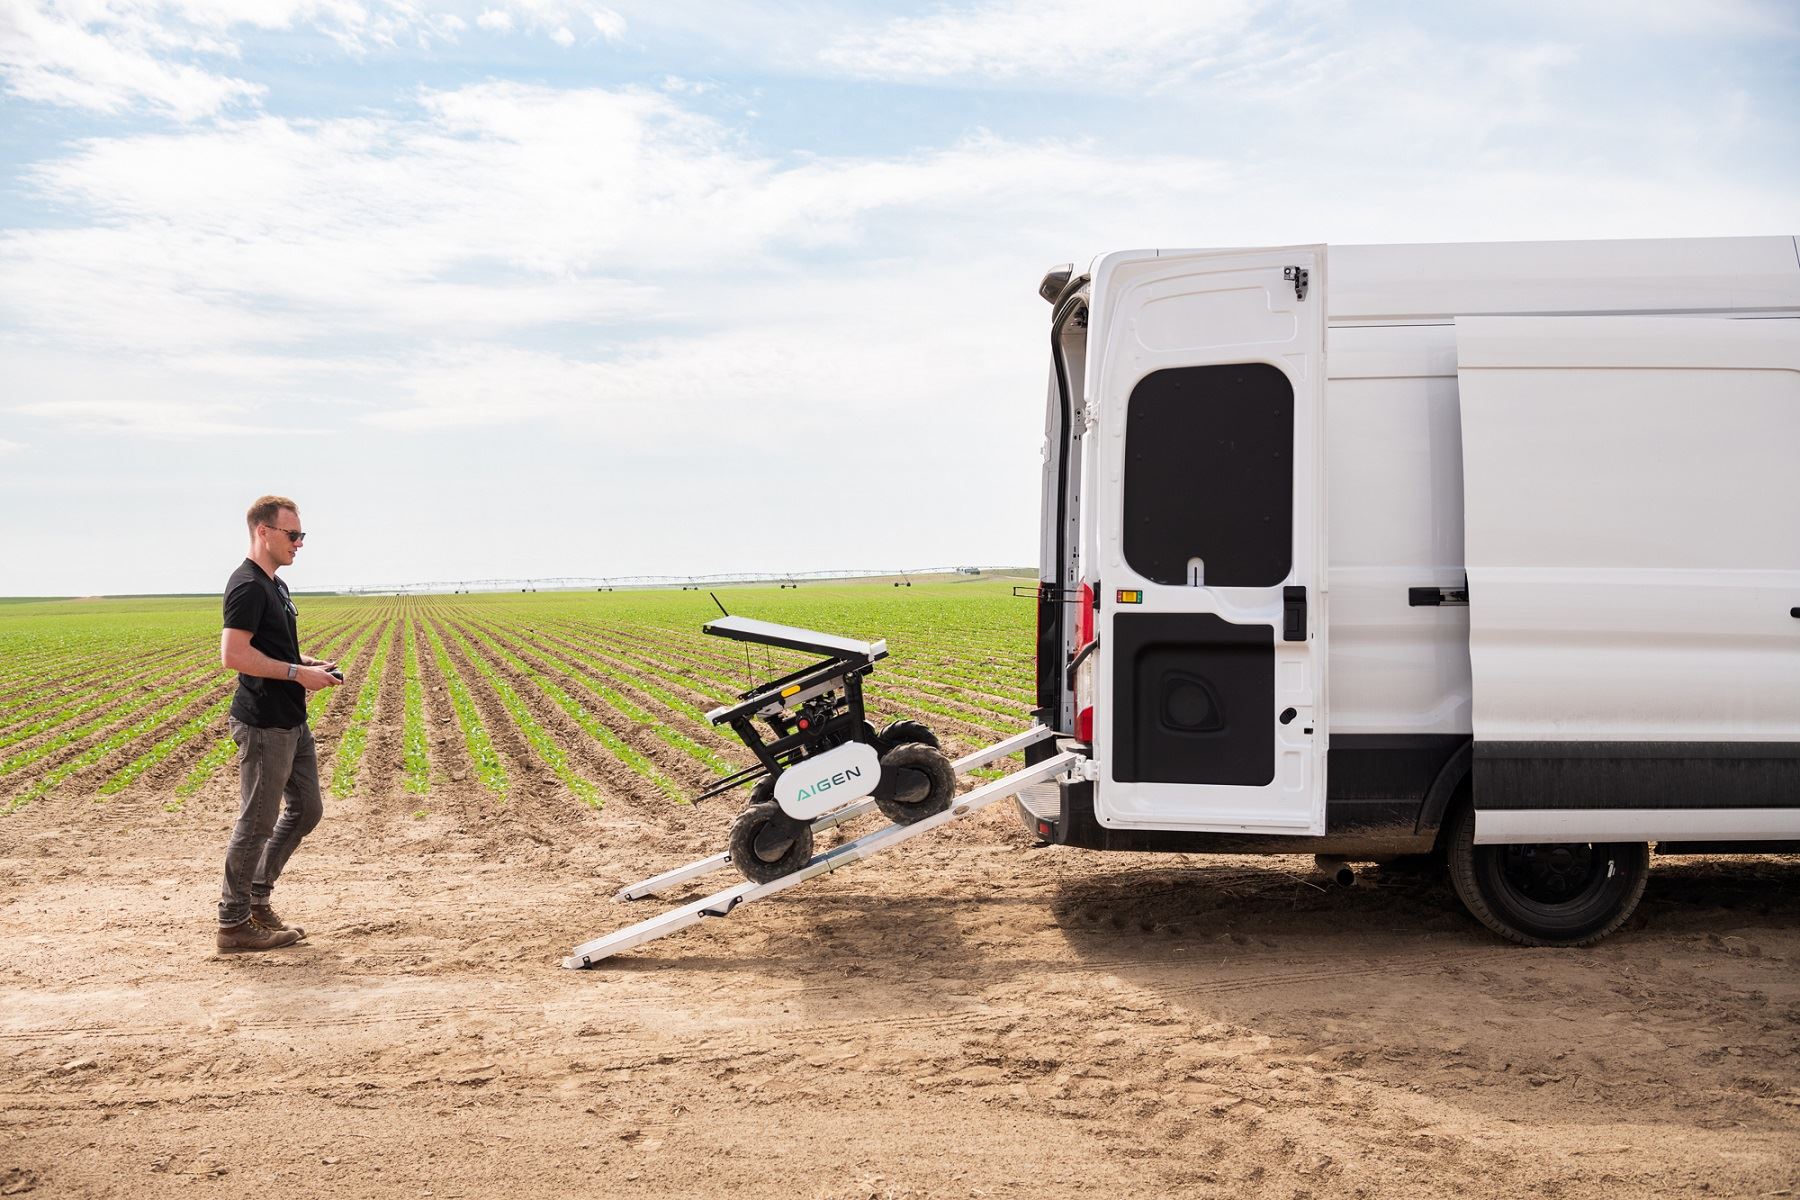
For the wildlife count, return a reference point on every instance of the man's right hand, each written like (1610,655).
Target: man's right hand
(315,678)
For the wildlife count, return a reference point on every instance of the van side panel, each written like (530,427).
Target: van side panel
(1632,509)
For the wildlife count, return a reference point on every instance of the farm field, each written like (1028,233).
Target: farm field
(604,694)
(970,1016)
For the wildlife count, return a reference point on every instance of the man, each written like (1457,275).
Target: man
(276,758)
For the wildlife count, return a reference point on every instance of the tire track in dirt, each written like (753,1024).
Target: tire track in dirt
(1305,973)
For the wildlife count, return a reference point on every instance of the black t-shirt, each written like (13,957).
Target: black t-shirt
(261,604)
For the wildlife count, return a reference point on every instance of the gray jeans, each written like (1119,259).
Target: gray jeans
(272,764)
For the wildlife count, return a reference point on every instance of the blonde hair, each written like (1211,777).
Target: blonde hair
(264,510)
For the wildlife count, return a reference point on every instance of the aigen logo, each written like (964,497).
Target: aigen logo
(825,785)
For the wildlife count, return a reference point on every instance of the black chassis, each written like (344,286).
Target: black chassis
(809,694)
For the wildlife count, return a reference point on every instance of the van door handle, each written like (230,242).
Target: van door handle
(1293,614)
(1433,597)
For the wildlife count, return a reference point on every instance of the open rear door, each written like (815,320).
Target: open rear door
(1209,540)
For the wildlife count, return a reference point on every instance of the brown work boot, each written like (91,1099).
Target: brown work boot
(249,935)
(266,916)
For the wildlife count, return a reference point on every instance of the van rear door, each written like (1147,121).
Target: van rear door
(1065,426)
(1209,540)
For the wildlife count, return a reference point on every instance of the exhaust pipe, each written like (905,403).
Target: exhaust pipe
(1339,871)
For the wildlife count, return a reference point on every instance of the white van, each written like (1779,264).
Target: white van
(1490,551)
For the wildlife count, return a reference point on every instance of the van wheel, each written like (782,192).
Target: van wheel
(907,733)
(766,843)
(916,782)
(1549,894)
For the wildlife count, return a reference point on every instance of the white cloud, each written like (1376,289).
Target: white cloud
(11,447)
(165,56)
(509,252)
(1055,43)
(608,24)
(553,18)
(110,60)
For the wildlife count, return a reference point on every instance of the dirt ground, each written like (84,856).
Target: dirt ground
(971,1016)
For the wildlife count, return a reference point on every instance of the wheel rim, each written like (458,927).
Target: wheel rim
(1556,874)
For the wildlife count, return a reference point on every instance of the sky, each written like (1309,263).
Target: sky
(551,288)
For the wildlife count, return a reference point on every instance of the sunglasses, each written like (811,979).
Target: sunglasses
(295,536)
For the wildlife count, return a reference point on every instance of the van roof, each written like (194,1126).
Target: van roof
(1435,282)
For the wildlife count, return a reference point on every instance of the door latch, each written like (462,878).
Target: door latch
(1298,277)
(1293,614)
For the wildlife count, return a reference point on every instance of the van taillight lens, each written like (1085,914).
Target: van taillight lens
(1087,682)
(1086,668)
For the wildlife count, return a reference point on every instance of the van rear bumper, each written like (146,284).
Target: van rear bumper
(1061,813)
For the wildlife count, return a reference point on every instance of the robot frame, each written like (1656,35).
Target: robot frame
(821,754)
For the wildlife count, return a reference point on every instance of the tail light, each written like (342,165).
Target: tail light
(1086,666)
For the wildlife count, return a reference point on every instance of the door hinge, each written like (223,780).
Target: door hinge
(1298,277)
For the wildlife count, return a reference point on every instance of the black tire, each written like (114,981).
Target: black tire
(1551,894)
(916,782)
(905,733)
(766,843)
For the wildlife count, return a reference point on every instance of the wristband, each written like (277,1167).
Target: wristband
(293,670)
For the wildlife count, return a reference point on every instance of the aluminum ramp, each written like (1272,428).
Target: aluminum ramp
(721,904)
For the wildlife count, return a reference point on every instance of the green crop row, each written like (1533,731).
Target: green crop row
(617,746)
(125,776)
(73,673)
(535,734)
(563,658)
(93,754)
(417,746)
(709,663)
(355,738)
(488,767)
(50,695)
(222,750)
(116,712)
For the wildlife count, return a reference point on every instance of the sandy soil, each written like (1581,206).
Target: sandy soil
(973,1016)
